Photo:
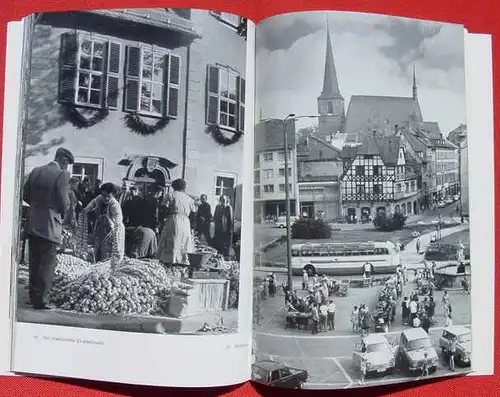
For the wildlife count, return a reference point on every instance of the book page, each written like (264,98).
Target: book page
(126,212)
(363,243)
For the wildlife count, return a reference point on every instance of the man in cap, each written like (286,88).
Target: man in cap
(46,192)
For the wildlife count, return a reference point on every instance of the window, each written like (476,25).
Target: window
(88,71)
(256,176)
(224,186)
(230,19)
(282,172)
(257,161)
(282,187)
(268,174)
(226,98)
(87,167)
(377,170)
(368,156)
(256,191)
(360,189)
(377,189)
(268,188)
(152,82)
(398,187)
(360,170)
(268,156)
(330,108)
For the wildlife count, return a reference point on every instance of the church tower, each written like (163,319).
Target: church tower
(414,88)
(331,106)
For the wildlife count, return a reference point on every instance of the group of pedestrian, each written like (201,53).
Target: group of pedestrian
(361,319)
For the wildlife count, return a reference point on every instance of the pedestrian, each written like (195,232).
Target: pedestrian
(399,290)
(449,321)
(417,243)
(452,350)
(426,323)
(405,310)
(445,300)
(362,369)
(416,323)
(305,280)
(46,191)
(413,309)
(367,270)
(272,285)
(355,319)
(204,219)
(315,319)
(465,286)
(404,272)
(331,315)
(323,317)
(425,366)
(431,308)
(365,324)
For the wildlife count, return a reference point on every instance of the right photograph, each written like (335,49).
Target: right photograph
(362,244)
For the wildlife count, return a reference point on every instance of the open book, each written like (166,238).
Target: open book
(192,200)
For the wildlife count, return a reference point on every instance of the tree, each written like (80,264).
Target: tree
(390,222)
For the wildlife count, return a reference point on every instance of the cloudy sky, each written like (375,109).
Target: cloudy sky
(374,55)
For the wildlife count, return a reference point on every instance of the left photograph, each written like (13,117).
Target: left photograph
(130,171)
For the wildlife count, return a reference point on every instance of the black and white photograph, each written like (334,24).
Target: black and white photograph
(131,170)
(361,201)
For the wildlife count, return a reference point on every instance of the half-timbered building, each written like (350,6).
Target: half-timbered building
(377,177)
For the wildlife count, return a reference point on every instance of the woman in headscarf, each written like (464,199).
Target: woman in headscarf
(109,230)
(176,240)
(223,218)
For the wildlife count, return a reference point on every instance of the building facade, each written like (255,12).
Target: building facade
(319,171)
(126,91)
(377,177)
(464,177)
(269,170)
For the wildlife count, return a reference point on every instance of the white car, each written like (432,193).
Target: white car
(456,197)
(378,353)
(416,349)
(441,204)
(281,222)
(464,342)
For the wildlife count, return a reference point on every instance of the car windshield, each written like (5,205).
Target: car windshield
(376,347)
(419,344)
(464,338)
(259,374)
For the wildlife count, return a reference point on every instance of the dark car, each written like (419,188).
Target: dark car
(273,373)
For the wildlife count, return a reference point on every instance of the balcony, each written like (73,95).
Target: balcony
(367,197)
(318,178)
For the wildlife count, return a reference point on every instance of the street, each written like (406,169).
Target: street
(327,356)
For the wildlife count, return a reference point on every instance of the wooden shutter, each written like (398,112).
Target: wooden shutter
(67,67)
(241,85)
(133,73)
(212,111)
(113,75)
(174,71)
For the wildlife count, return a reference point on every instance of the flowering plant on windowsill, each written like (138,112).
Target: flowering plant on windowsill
(136,124)
(219,135)
(85,118)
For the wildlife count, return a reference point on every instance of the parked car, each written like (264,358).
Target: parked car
(441,204)
(378,353)
(464,340)
(448,200)
(272,373)
(281,221)
(415,349)
(456,197)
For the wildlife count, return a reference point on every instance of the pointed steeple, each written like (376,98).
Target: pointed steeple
(330,82)
(414,88)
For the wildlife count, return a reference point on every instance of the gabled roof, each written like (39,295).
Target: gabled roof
(458,134)
(432,130)
(268,135)
(385,147)
(380,113)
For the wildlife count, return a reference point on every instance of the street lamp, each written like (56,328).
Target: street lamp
(284,123)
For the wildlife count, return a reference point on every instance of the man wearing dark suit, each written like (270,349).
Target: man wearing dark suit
(46,192)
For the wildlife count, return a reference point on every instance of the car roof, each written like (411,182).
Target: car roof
(269,365)
(458,330)
(415,333)
(374,339)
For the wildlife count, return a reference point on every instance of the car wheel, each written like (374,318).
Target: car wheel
(310,270)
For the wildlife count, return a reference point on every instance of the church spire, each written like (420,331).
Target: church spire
(414,88)
(330,82)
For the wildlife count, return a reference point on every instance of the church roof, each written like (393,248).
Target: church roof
(330,82)
(387,147)
(379,113)
(432,130)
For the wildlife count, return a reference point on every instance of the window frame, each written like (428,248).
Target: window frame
(99,161)
(222,16)
(225,175)
(166,82)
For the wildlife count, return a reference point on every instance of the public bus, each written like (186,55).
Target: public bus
(347,258)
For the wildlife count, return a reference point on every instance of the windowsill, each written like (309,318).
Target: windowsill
(226,128)
(86,106)
(149,115)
